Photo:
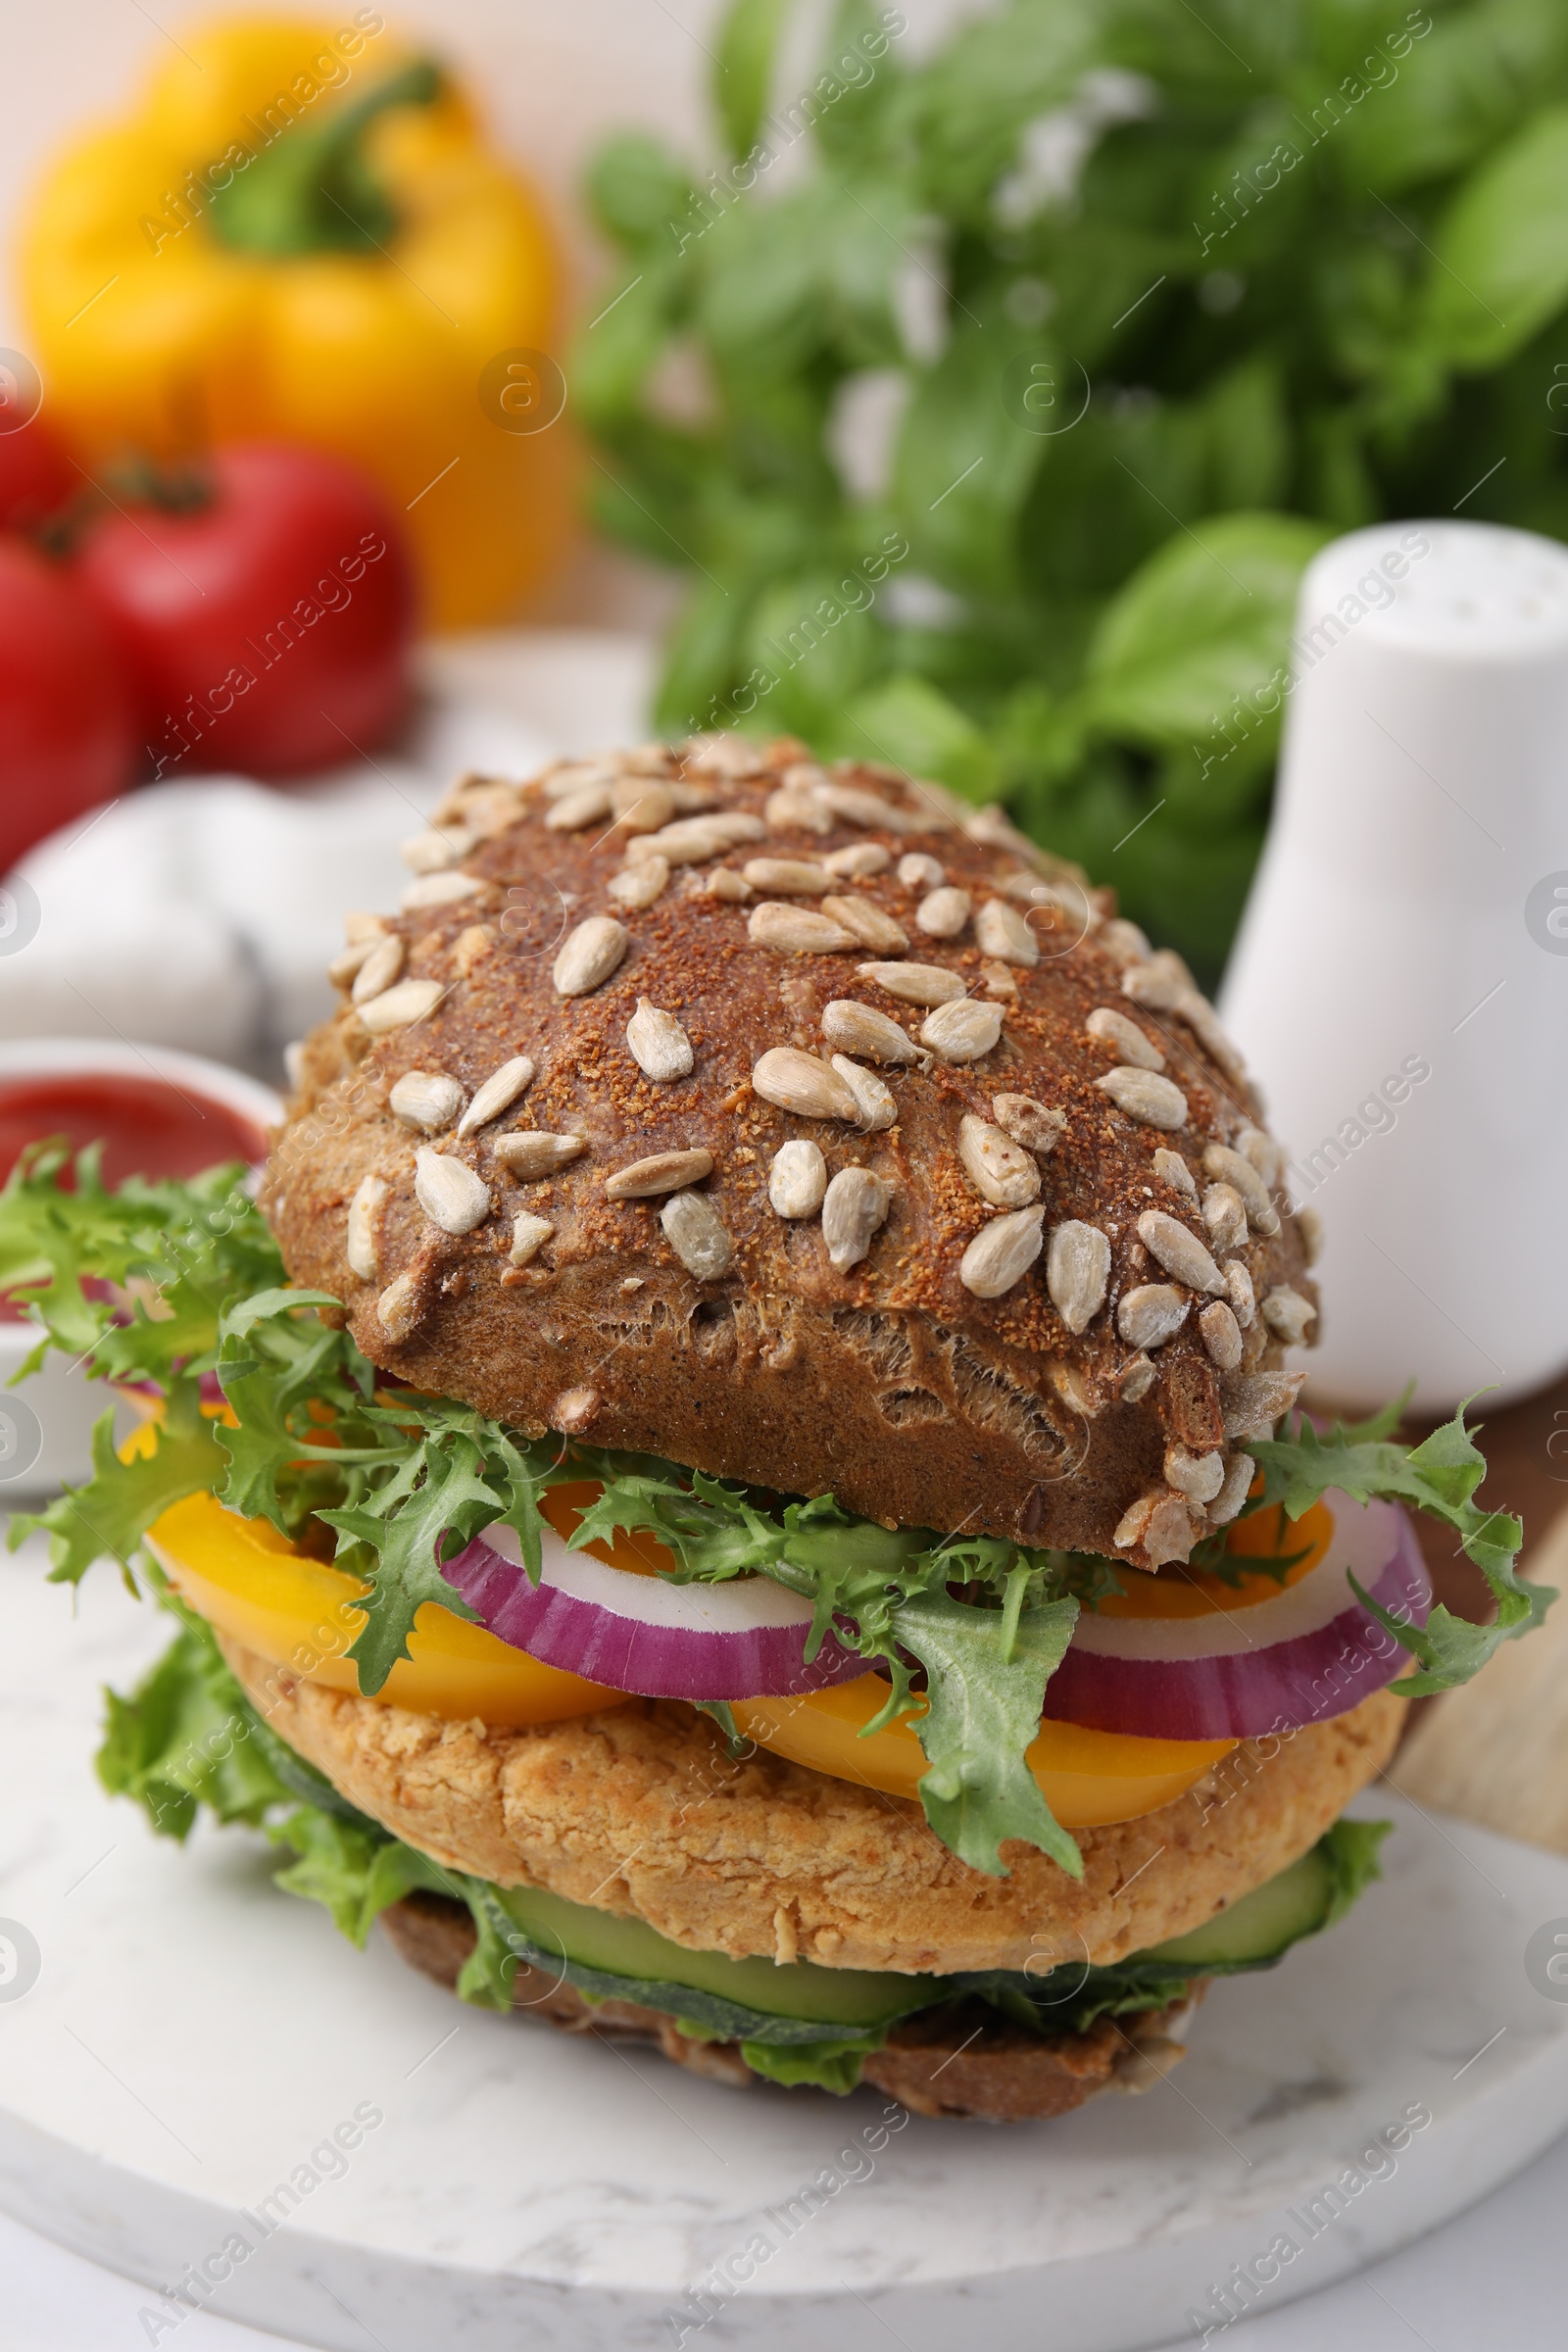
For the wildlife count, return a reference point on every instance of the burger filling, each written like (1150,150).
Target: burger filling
(288,1490)
(187,1739)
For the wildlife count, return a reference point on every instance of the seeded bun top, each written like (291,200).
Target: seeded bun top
(807,1128)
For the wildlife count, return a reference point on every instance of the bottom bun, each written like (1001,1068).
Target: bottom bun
(962,2062)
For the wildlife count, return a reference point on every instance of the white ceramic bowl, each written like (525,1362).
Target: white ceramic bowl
(46,1424)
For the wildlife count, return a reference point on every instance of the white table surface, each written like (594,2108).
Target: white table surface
(1496,2278)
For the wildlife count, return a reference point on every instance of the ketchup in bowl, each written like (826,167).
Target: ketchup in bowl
(157,1113)
(147,1126)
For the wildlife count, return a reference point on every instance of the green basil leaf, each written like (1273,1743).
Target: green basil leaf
(964,464)
(816,644)
(966,108)
(749,39)
(859,78)
(638,191)
(701,661)
(1500,267)
(1460,88)
(910,723)
(1206,620)
(620,345)
(758,304)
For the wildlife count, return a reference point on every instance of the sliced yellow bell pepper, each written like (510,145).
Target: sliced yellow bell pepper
(1086,1778)
(301,235)
(250,1583)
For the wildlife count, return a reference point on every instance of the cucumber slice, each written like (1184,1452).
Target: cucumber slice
(615,1958)
(302,1781)
(1259,1927)
(1256,1932)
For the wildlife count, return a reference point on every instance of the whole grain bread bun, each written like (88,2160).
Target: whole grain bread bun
(640,1810)
(1054,1274)
(965,2062)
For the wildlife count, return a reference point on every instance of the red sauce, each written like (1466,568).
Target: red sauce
(147,1126)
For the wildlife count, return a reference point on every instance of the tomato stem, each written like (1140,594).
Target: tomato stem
(175,486)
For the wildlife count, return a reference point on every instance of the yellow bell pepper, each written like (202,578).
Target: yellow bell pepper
(301,235)
(1086,1778)
(250,1583)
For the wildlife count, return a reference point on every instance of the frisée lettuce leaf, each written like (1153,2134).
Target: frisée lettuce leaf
(130,1282)
(1440,1476)
(983,1713)
(170,1284)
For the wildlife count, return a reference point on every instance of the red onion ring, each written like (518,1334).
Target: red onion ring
(1306,1654)
(210,1386)
(743,1640)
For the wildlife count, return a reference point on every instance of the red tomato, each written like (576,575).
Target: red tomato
(36,478)
(67,732)
(269,626)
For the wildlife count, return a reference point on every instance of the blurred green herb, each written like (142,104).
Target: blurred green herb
(1300,267)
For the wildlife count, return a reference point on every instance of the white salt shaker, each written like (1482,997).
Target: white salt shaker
(1400,982)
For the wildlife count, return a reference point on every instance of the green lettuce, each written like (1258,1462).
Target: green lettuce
(984,1711)
(112,1513)
(1352,1850)
(324,1442)
(184,1247)
(182,1740)
(354,1873)
(1440,1476)
(834,2066)
(187,1737)
(405,1481)
(421,1476)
